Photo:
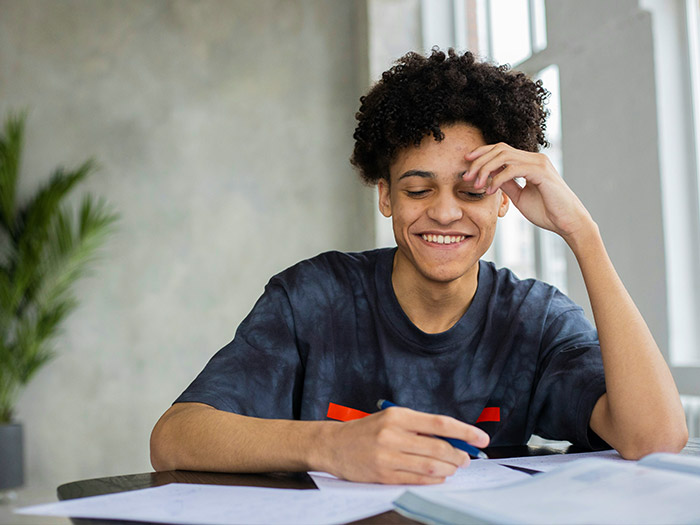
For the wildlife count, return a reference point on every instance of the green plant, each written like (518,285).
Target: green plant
(45,246)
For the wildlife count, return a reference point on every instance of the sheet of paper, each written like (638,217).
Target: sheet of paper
(547,463)
(222,505)
(479,474)
(591,491)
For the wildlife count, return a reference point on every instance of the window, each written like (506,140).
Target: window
(692,19)
(676,25)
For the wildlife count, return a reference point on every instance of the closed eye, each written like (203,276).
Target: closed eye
(418,193)
(473,195)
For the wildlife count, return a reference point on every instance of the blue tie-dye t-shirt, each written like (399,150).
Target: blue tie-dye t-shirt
(330,330)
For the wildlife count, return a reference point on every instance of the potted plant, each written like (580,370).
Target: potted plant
(45,246)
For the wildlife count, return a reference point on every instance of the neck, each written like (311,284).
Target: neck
(433,306)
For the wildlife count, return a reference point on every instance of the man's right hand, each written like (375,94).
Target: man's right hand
(396,445)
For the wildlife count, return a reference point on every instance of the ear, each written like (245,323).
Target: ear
(505,202)
(384,197)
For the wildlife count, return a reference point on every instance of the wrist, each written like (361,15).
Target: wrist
(320,449)
(584,239)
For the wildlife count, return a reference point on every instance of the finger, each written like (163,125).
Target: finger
(400,477)
(426,466)
(512,189)
(508,173)
(445,426)
(477,152)
(400,435)
(478,157)
(439,449)
(413,453)
(490,165)
(477,165)
(482,154)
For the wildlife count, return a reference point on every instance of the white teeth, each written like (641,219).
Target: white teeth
(442,239)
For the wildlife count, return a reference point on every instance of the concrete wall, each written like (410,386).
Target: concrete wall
(394,28)
(223,129)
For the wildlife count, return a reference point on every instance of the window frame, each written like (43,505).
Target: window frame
(676,52)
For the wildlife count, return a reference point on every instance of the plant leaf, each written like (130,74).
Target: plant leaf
(10,156)
(45,247)
(33,227)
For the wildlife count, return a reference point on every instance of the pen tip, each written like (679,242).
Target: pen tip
(482,455)
(380,402)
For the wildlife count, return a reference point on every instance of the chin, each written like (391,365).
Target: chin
(444,275)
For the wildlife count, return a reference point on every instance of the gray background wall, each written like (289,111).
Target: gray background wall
(223,130)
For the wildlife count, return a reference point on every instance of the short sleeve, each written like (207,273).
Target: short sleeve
(570,380)
(259,373)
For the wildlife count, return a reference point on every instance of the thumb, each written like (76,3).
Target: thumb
(513,190)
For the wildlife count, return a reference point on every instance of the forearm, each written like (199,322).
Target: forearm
(641,411)
(391,446)
(192,436)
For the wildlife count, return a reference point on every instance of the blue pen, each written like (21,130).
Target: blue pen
(457,443)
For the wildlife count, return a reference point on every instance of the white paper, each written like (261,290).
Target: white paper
(478,474)
(591,491)
(552,461)
(181,503)
(222,505)
(688,464)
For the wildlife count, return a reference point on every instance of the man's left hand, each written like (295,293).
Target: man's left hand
(545,199)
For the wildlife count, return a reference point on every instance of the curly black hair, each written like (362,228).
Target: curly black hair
(419,94)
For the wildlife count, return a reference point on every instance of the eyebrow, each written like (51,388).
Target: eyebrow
(427,174)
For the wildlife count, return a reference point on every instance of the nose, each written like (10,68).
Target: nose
(445,209)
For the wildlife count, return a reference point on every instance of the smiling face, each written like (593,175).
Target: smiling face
(442,225)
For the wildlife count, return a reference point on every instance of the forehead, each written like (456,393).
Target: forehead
(444,156)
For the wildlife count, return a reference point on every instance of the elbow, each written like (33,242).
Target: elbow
(667,438)
(157,459)
(677,439)
(161,459)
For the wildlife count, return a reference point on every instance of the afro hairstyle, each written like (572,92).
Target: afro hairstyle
(420,94)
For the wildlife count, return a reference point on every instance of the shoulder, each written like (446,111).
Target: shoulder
(538,310)
(330,270)
(507,286)
(530,295)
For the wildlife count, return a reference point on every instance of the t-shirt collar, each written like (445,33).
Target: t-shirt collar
(457,336)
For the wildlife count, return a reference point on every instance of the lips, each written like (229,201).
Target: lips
(442,239)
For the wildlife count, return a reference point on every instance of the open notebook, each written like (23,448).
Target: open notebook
(659,489)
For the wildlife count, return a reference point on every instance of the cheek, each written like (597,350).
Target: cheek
(484,212)
(406,214)
(486,218)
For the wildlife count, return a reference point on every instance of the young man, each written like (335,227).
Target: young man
(471,351)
